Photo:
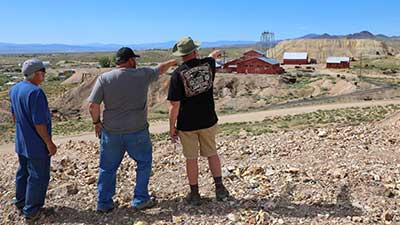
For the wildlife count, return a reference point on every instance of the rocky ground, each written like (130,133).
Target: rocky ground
(331,175)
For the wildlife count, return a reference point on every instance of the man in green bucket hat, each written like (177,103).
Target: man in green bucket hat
(185,46)
(192,114)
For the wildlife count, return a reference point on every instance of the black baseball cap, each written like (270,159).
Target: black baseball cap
(123,54)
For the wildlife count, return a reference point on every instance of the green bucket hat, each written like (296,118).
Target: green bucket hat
(185,46)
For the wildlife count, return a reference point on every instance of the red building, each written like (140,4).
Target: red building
(295,58)
(338,62)
(253,61)
(231,66)
(259,65)
(253,54)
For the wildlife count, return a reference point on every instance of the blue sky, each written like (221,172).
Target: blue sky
(148,21)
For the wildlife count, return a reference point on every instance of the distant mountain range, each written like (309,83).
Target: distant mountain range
(10,48)
(360,35)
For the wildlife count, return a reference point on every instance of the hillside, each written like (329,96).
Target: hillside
(231,92)
(320,49)
(12,48)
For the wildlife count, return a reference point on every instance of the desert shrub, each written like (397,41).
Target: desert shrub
(105,62)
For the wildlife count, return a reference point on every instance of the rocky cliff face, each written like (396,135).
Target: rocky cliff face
(320,49)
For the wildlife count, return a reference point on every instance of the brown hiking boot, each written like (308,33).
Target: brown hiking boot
(193,199)
(221,193)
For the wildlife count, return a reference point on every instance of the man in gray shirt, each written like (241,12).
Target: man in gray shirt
(124,126)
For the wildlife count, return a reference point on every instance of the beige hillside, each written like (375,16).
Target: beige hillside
(76,98)
(231,92)
(320,49)
(84,74)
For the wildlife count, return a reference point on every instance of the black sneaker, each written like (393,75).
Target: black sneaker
(41,212)
(193,198)
(146,205)
(32,218)
(221,194)
(19,209)
(102,211)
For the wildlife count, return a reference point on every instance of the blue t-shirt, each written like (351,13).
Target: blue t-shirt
(29,106)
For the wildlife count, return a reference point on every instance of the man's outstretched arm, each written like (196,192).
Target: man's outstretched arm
(215,54)
(164,66)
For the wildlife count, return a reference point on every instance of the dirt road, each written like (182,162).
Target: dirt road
(163,126)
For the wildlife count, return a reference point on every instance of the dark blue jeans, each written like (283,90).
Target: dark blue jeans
(112,150)
(32,180)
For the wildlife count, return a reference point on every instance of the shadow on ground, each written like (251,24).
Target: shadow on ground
(166,209)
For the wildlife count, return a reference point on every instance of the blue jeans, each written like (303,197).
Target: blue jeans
(32,180)
(112,150)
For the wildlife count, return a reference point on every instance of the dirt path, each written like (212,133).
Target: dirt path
(355,75)
(163,126)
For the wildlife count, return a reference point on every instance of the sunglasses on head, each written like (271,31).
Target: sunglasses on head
(43,70)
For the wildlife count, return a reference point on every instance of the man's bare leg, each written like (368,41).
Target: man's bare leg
(215,166)
(192,170)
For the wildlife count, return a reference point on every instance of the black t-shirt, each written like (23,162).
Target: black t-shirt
(192,85)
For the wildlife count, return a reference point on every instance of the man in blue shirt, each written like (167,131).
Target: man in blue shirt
(33,142)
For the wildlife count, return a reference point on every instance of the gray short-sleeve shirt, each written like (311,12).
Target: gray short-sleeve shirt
(124,94)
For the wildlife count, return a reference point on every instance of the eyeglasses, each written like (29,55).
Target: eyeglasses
(43,70)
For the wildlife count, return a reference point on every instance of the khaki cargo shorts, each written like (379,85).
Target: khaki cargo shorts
(196,141)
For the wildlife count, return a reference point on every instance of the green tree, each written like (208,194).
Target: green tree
(3,79)
(114,60)
(105,61)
